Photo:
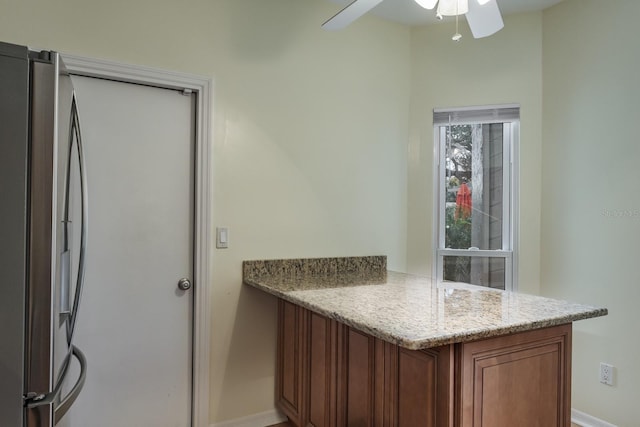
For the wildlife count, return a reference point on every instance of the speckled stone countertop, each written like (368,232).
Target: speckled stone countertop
(404,309)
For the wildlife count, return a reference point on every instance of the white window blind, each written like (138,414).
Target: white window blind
(469,115)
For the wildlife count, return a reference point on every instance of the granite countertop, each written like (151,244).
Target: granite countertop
(405,309)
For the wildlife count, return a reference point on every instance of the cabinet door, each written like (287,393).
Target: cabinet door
(291,358)
(360,371)
(521,379)
(321,377)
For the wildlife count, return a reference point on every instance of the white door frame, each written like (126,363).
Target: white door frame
(203,88)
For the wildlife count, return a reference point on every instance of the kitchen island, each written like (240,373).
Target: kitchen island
(362,346)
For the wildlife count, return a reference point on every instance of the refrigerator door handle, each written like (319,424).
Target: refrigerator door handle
(70,398)
(33,400)
(74,131)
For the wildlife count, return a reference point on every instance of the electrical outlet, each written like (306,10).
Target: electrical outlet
(606,373)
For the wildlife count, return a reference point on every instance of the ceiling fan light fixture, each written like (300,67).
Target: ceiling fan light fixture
(483,16)
(453,7)
(427,4)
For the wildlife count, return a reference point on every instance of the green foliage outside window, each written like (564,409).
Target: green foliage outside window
(457,236)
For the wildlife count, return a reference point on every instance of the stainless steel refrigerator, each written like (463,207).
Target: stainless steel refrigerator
(43,238)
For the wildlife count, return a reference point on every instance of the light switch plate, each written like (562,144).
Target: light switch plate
(222,237)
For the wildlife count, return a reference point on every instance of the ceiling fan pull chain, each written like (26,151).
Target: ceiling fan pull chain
(457,36)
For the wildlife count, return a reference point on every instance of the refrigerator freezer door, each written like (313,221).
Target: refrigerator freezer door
(72,239)
(57,267)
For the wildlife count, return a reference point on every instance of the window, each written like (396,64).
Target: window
(475,195)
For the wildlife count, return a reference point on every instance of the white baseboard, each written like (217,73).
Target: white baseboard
(262,419)
(586,420)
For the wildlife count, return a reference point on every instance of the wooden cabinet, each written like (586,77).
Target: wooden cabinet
(331,375)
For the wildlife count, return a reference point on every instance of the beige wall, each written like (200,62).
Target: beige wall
(310,136)
(504,68)
(591,200)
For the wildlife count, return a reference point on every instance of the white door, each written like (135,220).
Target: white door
(134,324)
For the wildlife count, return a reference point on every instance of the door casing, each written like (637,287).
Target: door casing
(202,87)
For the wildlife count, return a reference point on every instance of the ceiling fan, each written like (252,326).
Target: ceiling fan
(483,16)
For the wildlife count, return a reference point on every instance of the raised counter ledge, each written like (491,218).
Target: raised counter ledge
(404,309)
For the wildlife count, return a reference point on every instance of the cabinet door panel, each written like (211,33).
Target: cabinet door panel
(507,383)
(416,389)
(360,381)
(321,370)
(424,388)
(289,380)
(521,379)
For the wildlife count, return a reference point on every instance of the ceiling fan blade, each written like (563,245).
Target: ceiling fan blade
(350,13)
(484,20)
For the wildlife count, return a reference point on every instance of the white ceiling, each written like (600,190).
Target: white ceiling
(408,12)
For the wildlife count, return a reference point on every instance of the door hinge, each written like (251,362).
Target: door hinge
(30,398)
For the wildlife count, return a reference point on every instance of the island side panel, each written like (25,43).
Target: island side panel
(522,379)
(349,378)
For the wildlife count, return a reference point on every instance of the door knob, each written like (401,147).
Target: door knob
(184,284)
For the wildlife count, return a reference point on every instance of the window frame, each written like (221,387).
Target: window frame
(511,166)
